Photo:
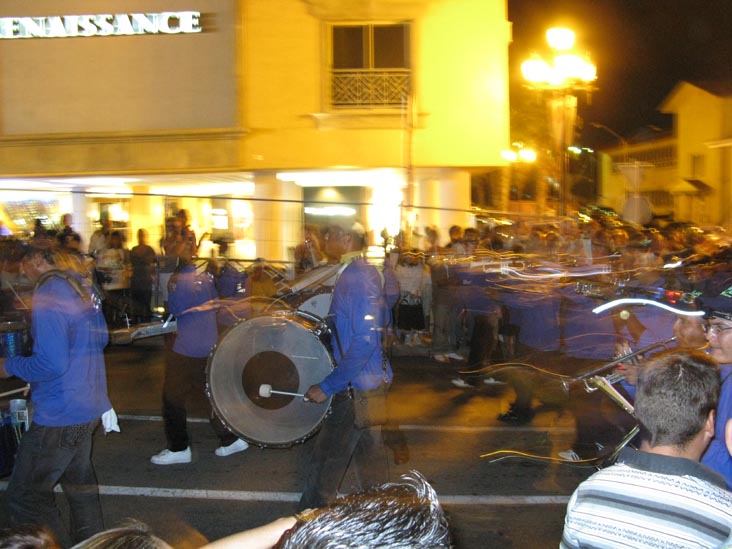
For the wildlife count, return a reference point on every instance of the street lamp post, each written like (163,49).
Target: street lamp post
(568,72)
(616,135)
(517,154)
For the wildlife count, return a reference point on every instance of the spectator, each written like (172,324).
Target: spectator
(622,505)
(133,536)
(27,537)
(39,230)
(470,242)
(415,300)
(403,514)
(113,270)
(172,240)
(431,245)
(143,260)
(99,239)
(72,243)
(187,234)
(455,233)
(67,236)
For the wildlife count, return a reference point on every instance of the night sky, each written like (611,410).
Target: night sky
(642,49)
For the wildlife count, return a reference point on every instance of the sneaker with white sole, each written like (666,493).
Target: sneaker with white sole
(569,455)
(168,457)
(238,445)
(493,381)
(460,382)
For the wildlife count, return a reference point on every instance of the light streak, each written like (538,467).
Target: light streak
(641,301)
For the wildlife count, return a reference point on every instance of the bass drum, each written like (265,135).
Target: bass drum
(288,350)
(315,302)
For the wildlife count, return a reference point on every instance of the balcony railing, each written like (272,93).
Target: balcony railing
(370,88)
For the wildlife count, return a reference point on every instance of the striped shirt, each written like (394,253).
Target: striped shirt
(649,500)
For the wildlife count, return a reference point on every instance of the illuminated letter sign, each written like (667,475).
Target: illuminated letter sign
(105,24)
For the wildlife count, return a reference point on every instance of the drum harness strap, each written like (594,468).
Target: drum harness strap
(70,279)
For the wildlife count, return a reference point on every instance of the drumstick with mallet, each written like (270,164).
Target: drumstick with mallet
(266,391)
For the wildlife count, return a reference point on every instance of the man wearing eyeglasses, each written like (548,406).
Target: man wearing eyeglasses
(718,329)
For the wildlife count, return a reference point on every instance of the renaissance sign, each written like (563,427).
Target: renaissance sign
(119,24)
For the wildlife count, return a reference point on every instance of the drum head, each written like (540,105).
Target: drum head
(316,303)
(285,350)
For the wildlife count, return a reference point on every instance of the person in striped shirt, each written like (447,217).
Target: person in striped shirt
(659,496)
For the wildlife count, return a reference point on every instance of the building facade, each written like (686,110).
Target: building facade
(687,175)
(255,115)
(703,125)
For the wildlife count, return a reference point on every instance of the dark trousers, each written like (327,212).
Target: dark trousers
(56,455)
(482,344)
(141,298)
(185,376)
(336,444)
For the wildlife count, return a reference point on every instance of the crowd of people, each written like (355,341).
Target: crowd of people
(66,373)
(508,293)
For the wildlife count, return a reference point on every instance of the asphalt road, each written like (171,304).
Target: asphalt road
(512,503)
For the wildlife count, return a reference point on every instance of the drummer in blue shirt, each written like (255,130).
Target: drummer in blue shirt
(192,298)
(357,313)
(68,382)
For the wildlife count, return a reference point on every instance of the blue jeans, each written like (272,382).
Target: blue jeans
(56,455)
(337,442)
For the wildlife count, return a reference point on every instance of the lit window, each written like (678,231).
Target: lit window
(370,66)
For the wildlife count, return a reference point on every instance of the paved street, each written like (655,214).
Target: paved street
(511,503)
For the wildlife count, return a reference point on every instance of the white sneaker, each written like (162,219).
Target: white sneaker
(455,356)
(460,382)
(569,455)
(168,457)
(238,445)
(493,381)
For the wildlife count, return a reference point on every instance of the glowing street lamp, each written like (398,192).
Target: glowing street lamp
(521,155)
(566,73)
(566,70)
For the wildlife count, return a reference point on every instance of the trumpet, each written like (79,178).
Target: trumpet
(619,360)
(606,383)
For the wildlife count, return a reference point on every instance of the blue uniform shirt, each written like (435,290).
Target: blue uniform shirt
(717,457)
(358,313)
(66,370)
(197,331)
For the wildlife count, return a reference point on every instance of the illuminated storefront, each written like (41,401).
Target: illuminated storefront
(255,116)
